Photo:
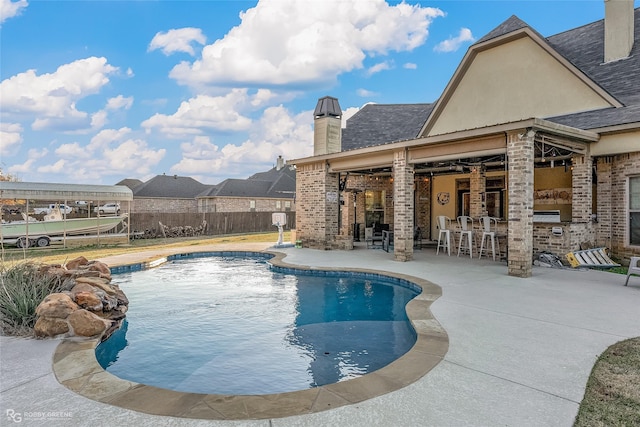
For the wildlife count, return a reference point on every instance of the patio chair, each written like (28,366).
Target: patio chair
(466,234)
(634,268)
(444,236)
(489,227)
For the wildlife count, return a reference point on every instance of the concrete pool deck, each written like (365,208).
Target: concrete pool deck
(520,350)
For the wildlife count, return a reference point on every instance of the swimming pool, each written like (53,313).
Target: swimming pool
(252,329)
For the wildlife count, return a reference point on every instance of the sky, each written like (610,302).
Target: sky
(94,92)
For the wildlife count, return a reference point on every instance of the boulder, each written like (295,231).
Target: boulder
(98,282)
(88,305)
(86,324)
(56,305)
(100,267)
(75,263)
(50,327)
(89,301)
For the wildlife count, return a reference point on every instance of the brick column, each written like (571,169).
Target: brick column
(402,207)
(478,186)
(520,155)
(604,207)
(316,205)
(582,230)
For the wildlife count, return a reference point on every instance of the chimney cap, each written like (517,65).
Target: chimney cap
(327,107)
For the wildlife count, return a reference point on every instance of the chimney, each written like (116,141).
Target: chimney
(279,163)
(327,127)
(618,29)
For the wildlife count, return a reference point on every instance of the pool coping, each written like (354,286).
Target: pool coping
(75,367)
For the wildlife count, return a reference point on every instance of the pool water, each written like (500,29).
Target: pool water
(233,325)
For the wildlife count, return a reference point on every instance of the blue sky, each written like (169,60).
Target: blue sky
(98,91)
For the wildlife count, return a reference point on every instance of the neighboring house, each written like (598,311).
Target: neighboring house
(543,133)
(271,191)
(167,193)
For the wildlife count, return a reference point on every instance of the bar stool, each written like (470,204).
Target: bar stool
(444,224)
(489,227)
(466,234)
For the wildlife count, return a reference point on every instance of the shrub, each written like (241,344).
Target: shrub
(22,289)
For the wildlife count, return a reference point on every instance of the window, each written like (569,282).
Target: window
(634,210)
(278,205)
(252,205)
(287,205)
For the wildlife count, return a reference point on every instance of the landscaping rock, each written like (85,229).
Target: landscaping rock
(89,306)
(56,305)
(87,324)
(50,327)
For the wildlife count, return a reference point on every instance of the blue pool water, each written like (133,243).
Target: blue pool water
(233,325)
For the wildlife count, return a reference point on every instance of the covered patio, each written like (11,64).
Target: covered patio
(535,177)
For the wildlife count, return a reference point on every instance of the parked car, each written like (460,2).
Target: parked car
(108,208)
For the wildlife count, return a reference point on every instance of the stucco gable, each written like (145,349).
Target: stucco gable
(511,77)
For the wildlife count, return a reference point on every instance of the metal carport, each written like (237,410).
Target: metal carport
(64,193)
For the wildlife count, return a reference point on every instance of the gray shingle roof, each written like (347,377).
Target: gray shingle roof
(600,118)
(584,48)
(510,25)
(376,124)
(273,183)
(130,182)
(180,187)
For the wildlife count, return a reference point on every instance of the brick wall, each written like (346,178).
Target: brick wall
(143,205)
(317,210)
(612,207)
(243,204)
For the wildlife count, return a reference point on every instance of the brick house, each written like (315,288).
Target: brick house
(270,191)
(541,132)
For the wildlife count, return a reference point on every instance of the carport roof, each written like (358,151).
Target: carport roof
(55,191)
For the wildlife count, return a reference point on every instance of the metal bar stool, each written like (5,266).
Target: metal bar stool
(444,236)
(489,227)
(466,234)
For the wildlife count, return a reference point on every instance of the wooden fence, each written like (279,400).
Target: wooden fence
(217,223)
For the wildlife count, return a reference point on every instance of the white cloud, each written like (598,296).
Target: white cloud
(410,66)
(110,152)
(103,138)
(11,137)
(453,43)
(276,133)
(52,97)
(204,113)
(178,40)
(347,114)
(364,93)
(119,102)
(9,9)
(381,66)
(33,155)
(299,42)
